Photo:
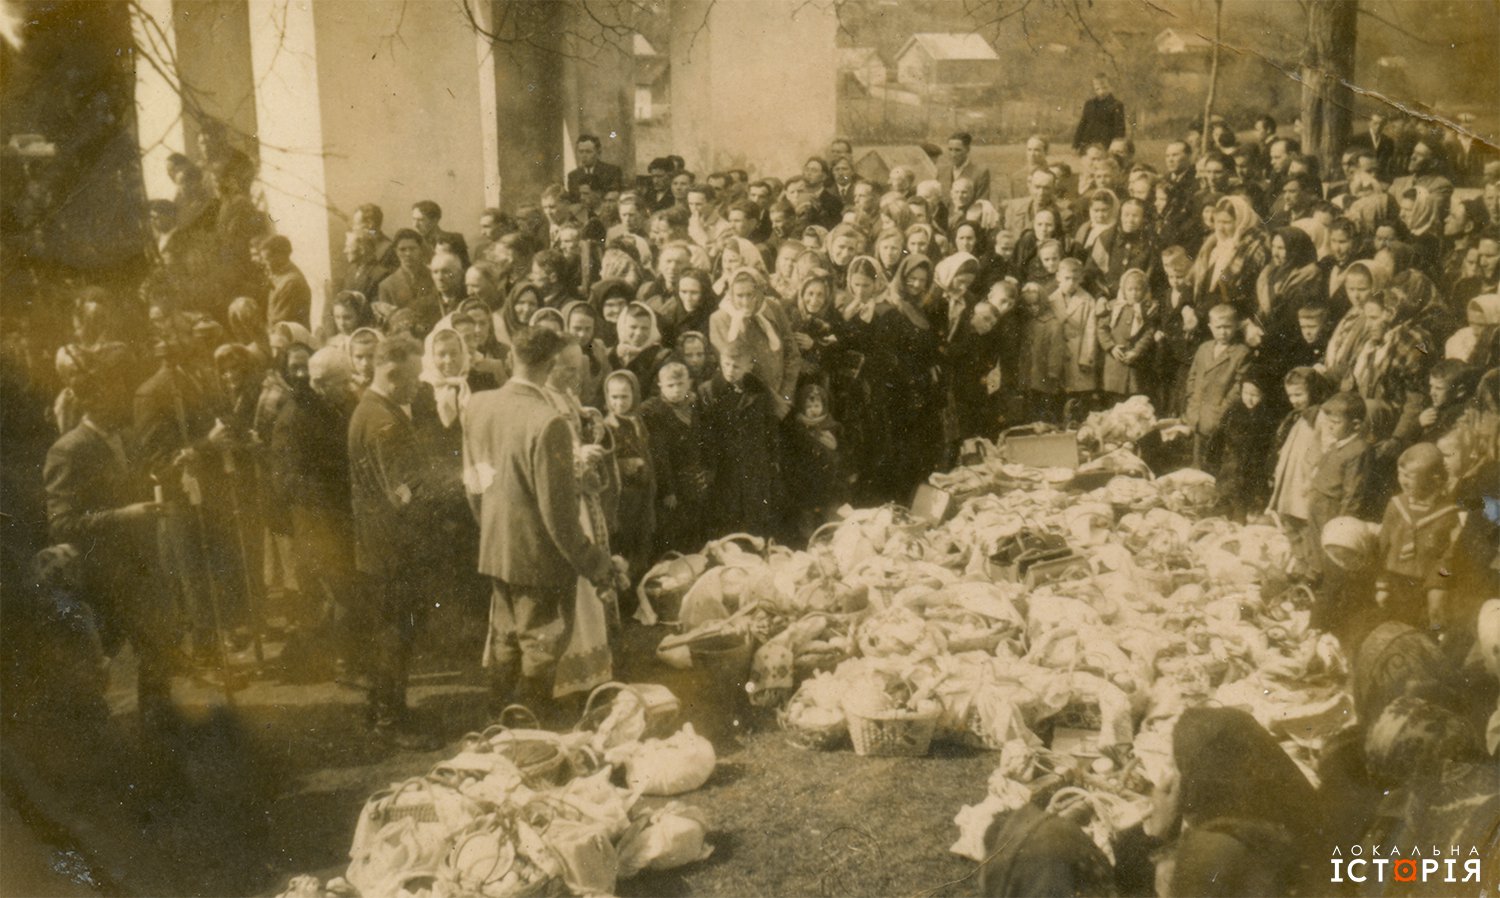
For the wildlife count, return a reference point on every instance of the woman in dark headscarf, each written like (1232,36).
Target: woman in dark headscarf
(1229,766)
(900,350)
(1232,857)
(609,298)
(1231,777)
(1033,854)
(1440,789)
(515,314)
(1396,659)
(1291,281)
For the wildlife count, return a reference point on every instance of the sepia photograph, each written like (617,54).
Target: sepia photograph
(807,448)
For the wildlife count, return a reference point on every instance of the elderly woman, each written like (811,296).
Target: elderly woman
(746,318)
(1291,281)
(1232,257)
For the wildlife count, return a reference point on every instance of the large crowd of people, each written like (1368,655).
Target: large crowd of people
(620,370)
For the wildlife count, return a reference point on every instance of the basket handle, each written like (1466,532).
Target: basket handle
(588,706)
(515,710)
(484,826)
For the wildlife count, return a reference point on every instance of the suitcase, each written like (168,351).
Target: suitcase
(1023,446)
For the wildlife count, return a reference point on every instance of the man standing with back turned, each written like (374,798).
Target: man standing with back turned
(518,467)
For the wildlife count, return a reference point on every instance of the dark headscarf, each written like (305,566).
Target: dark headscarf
(905,267)
(513,324)
(1413,738)
(1300,250)
(601,291)
(1394,660)
(1034,854)
(1227,858)
(1229,766)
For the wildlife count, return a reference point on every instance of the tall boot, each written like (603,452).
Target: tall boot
(504,689)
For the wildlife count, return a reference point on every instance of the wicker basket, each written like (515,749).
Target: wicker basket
(812,738)
(537,752)
(892,734)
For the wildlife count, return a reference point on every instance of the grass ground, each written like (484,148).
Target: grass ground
(248,797)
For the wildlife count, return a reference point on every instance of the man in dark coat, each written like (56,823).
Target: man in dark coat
(98,503)
(1103,118)
(601,176)
(392,504)
(290,298)
(518,469)
(178,440)
(310,476)
(1381,146)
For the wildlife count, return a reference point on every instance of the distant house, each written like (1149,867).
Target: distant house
(948,64)
(651,85)
(876,164)
(863,64)
(1175,42)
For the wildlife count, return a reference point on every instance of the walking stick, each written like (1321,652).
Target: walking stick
(252,605)
(201,538)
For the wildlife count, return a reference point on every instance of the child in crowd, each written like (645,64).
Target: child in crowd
(1417,536)
(971,359)
(817,482)
(634,533)
(1125,338)
(1313,330)
(1338,487)
(1245,443)
(1212,381)
(1044,269)
(1178,334)
(1450,383)
(1297,459)
(1041,367)
(694,352)
(740,437)
(675,432)
(1078,318)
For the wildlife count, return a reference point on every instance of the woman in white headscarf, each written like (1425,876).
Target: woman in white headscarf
(438,412)
(745,317)
(949,305)
(1232,257)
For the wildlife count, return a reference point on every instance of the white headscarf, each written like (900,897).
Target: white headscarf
(1118,306)
(450,392)
(738,320)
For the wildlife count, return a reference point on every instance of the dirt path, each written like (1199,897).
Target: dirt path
(247,798)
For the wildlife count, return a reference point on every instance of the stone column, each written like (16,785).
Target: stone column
(529,106)
(753,85)
(213,54)
(284,51)
(158,99)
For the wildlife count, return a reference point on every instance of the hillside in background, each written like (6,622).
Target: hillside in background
(1426,56)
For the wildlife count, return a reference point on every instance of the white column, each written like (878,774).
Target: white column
(158,100)
(489,111)
(284,57)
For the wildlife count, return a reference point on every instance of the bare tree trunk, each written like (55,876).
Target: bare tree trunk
(1327,70)
(1213,74)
